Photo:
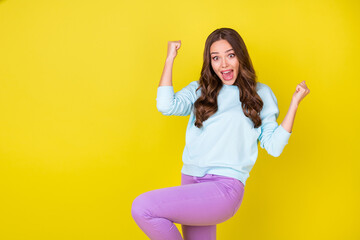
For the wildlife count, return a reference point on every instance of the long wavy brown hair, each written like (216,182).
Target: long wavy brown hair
(210,84)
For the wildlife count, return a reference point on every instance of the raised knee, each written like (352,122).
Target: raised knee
(140,208)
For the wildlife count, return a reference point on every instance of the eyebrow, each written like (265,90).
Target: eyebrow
(225,51)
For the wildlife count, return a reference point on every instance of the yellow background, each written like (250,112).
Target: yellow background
(80,135)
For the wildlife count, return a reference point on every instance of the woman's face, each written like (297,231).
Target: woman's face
(224,62)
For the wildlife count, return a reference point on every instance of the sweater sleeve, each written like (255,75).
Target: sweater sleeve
(179,103)
(273,137)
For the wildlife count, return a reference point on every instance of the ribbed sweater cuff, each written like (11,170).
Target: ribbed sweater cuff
(165,92)
(282,135)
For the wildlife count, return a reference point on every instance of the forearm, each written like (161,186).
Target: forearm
(166,77)
(288,121)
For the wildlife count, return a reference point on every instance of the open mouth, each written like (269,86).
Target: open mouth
(228,74)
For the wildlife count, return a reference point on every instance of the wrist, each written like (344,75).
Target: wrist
(294,103)
(170,60)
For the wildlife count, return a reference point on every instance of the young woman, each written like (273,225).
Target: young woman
(230,113)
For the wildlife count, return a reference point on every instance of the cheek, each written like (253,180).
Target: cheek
(236,66)
(235,63)
(215,66)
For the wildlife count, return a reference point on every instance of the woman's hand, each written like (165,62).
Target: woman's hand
(301,91)
(166,77)
(173,46)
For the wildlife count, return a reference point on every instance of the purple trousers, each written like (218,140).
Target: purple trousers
(198,205)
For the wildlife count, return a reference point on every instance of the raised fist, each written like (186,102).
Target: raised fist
(301,91)
(173,46)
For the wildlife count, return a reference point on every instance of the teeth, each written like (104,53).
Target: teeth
(227,72)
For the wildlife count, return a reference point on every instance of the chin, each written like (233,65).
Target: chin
(231,82)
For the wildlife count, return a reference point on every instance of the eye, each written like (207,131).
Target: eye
(214,58)
(231,54)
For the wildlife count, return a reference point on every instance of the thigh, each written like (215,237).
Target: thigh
(198,204)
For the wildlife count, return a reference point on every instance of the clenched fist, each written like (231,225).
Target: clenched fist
(173,46)
(301,91)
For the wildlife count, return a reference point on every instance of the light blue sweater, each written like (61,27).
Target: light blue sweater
(227,144)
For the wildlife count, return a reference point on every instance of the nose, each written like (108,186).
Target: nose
(224,62)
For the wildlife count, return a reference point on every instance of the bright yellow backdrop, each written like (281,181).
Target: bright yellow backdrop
(80,135)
